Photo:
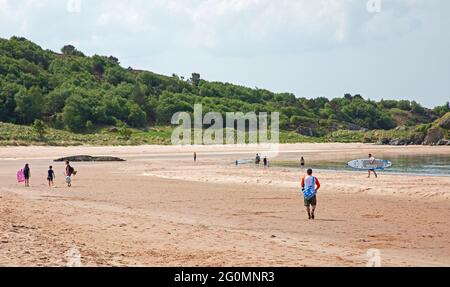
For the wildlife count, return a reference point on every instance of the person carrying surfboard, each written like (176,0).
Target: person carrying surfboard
(372,161)
(310,187)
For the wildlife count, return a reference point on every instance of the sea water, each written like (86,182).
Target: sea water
(435,164)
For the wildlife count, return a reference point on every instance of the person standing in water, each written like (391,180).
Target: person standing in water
(310,187)
(302,162)
(27,174)
(51,176)
(372,161)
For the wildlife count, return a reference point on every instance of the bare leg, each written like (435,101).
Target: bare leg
(313,210)
(309,212)
(376,175)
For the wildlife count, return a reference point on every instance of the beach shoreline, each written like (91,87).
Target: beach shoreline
(159,208)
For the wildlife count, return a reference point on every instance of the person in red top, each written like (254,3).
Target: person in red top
(312,184)
(69,173)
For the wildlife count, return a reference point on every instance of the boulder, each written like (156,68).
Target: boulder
(384,141)
(306,131)
(417,139)
(443,142)
(88,158)
(353,127)
(398,142)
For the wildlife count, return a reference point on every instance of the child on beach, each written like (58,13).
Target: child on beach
(27,174)
(51,176)
(311,186)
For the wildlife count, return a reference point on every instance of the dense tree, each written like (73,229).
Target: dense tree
(98,66)
(7,101)
(29,105)
(70,50)
(138,96)
(81,93)
(76,113)
(136,117)
(195,79)
(442,110)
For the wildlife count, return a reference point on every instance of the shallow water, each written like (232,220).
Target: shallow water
(438,164)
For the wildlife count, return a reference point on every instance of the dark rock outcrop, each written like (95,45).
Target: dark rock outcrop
(434,135)
(444,122)
(398,142)
(443,142)
(88,158)
(384,141)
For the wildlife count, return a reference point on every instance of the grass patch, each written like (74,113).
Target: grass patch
(17,135)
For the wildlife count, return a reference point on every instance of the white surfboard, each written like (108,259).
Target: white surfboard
(366,164)
(245,161)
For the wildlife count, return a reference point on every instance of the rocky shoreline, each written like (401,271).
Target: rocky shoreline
(436,135)
(88,158)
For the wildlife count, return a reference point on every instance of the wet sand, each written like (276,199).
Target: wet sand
(159,208)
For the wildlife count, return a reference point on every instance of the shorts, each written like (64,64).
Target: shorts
(312,201)
(50,178)
(68,179)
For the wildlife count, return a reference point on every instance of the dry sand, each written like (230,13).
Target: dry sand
(160,209)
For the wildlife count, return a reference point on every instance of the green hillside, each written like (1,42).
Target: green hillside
(84,95)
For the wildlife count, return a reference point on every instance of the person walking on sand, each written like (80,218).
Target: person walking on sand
(372,161)
(27,174)
(258,159)
(310,187)
(266,162)
(69,173)
(302,162)
(50,176)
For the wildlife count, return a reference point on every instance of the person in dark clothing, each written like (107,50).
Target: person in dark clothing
(51,176)
(258,159)
(266,162)
(302,162)
(27,174)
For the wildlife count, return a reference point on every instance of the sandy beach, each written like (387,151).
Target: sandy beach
(159,208)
